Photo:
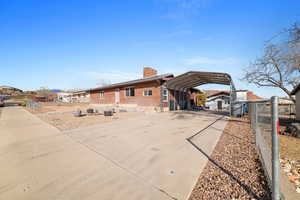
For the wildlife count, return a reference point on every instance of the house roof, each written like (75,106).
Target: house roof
(142,80)
(195,78)
(217,93)
(252,96)
(296,89)
(221,96)
(211,92)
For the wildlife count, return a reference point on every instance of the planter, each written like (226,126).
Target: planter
(108,113)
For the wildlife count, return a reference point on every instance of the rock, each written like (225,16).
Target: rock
(295,172)
(292,178)
(287,167)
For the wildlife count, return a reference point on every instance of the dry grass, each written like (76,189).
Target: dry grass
(290,147)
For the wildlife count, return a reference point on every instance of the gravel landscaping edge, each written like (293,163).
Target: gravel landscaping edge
(234,170)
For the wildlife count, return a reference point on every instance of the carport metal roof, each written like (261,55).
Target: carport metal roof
(195,78)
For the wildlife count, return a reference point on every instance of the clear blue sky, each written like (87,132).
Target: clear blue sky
(81,44)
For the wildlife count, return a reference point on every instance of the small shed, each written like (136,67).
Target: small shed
(296,92)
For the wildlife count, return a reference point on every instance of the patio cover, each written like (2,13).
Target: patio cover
(196,78)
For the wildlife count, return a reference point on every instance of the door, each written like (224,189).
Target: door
(117,96)
(219,105)
(171,105)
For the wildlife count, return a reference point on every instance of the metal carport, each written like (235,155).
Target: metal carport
(192,79)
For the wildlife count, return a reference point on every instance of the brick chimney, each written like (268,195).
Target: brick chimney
(148,71)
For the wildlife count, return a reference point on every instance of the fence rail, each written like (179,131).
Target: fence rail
(264,122)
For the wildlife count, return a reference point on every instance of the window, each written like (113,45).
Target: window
(147,92)
(129,92)
(101,94)
(165,94)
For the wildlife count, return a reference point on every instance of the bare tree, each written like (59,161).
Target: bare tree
(279,66)
(45,92)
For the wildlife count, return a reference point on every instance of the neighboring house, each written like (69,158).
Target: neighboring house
(218,100)
(253,97)
(296,92)
(81,96)
(145,94)
(65,97)
(74,97)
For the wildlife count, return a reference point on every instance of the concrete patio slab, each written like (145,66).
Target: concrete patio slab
(140,158)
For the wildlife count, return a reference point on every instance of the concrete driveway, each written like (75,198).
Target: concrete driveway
(140,158)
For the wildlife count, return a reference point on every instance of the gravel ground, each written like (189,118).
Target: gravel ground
(290,159)
(234,170)
(61,115)
(57,107)
(67,121)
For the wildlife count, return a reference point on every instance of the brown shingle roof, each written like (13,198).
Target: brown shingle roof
(209,93)
(252,96)
(142,80)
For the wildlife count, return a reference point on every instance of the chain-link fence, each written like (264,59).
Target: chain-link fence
(264,122)
(33,105)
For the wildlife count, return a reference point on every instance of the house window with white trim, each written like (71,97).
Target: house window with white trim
(101,94)
(165,94)
(129,91)
(147,92)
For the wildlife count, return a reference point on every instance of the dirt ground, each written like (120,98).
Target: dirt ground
(57,107)
(67,121)
(290,147)
(234,170)
(61,116)
(290,159)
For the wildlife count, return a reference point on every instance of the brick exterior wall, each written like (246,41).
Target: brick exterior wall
(148,71)
(139,98)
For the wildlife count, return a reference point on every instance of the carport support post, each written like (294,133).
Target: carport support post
(161,98)
(275,150)
(175,100)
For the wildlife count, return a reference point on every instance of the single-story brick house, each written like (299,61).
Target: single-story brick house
(296,92)
(148,93)
(156,92)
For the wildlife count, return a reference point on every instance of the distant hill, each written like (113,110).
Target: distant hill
(56,90)
(8,90)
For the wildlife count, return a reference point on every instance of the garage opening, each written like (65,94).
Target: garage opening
(180,88)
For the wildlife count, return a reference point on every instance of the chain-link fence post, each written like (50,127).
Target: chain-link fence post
(275,150)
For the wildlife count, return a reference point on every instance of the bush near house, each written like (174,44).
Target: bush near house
(200,99)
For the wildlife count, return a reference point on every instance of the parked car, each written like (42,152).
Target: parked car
(1,102)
